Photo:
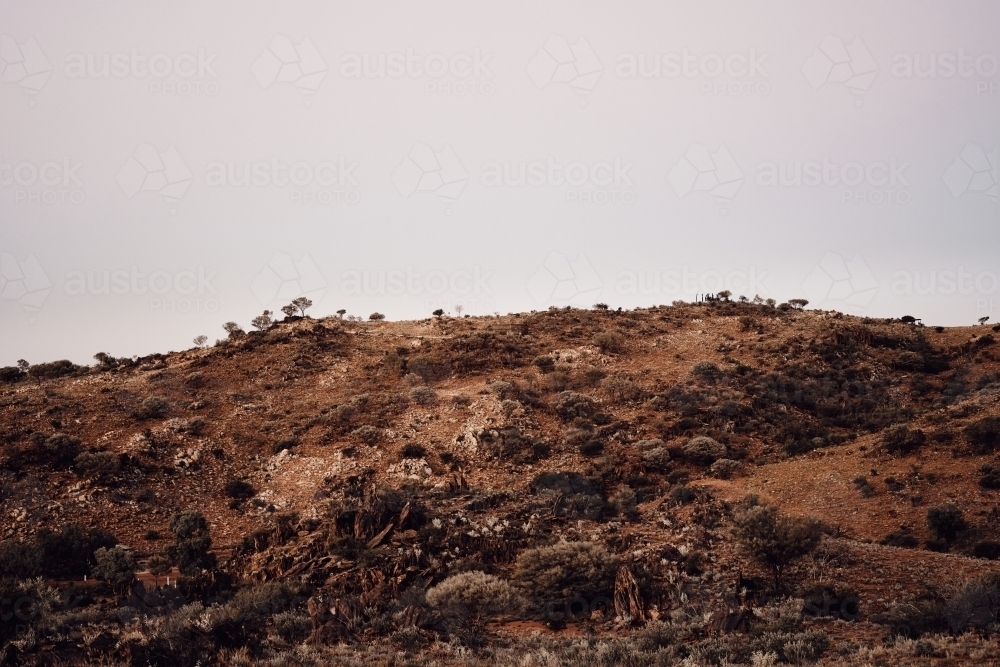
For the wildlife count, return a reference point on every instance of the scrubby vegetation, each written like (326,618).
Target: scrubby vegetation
(555,488)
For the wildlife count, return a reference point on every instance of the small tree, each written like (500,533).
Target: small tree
(232,329)
(191,542)
(376,317)
(459,308)
(263,322)
(158,566)
(116,566)
(725,294)
(600,306)
(798,304)
(200,341)
(438,313)
(303,304)
(23,365)
(289,310)
(773,539)
(341,313)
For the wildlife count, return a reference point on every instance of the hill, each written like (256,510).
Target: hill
(720,481)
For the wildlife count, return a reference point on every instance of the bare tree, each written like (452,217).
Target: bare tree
(263,322)
(200,341)
(459,308)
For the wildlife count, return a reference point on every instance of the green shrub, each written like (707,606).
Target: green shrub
(70,552)
(545,363)
(9,374)
(900,439)
(480,595)
(19,560)
(55,369)
(609,342)
(101,466)
(292,626)
(423,396)
(773,539)
(704,450)
(367,434)
(983,434)
(569,405)
(946,522)
(153,407)
(682,494)
(986,549)
(240,489)
(900,538)
(190,550)
(706,370)
(116,566)
(990,477)
(566,570)
(59,450)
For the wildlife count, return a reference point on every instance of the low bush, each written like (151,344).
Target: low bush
(478,595)
(946,521)
(423,396)
(100,466)
(566,570)
(983,434)
(367,434)
(153,407)
(239,489)
(900,439)
(569,405)
(609,342)
(704,450)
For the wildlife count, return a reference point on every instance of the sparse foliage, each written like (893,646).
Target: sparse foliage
(774,539)
(263,322)
(233,329)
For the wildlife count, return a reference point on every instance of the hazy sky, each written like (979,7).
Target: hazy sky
(168,166)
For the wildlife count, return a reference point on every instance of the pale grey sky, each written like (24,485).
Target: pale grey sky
(166,167)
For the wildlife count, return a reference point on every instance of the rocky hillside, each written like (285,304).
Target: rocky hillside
(707,482)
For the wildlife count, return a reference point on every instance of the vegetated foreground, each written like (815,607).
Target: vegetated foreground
(701,484)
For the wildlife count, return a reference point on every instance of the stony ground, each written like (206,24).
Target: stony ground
(463,416)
